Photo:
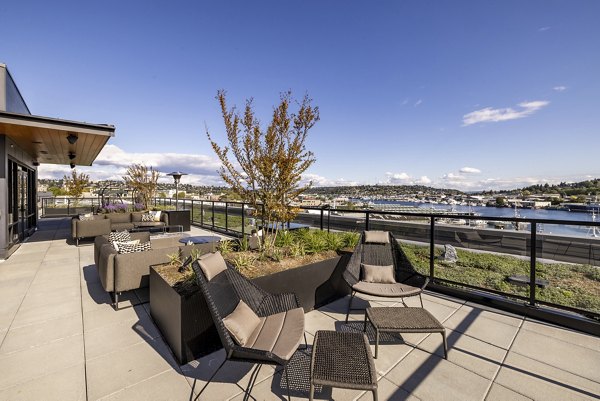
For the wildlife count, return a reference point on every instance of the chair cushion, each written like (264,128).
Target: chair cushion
(280,334)
(212,264)
(377,237)
(378,274)
(241,323)
(396,290)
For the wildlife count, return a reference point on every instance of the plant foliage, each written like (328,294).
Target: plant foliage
(142,181)
(75,184)
(265,166)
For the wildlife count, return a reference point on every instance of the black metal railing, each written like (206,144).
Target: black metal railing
(427,233)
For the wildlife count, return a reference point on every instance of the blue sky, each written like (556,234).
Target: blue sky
(462,94)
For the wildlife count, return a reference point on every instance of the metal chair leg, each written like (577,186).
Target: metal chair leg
(252,381)
(349,305)
(116,296)
(421,299)
(287,379)
(209,380)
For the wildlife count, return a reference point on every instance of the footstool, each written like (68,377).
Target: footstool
(342,360)
(403,320)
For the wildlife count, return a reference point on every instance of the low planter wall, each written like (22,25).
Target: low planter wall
(187,326)
(315,285)
(64,211)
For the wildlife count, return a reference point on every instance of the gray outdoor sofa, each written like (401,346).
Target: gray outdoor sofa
(129,271)
(102,224)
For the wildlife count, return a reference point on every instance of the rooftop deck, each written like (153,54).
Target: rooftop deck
(60,339)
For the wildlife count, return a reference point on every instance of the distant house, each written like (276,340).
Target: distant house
(26,141)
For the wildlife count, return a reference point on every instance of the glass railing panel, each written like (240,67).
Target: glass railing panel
(485,257)
(568,268)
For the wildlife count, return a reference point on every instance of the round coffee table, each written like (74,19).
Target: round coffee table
(200,239)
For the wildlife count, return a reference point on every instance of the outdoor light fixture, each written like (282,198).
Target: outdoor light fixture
(72,165)
(72,138)
(71,155)
(177,176)
(36,163)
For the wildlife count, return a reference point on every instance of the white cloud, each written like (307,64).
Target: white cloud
(560,88)
(469,170)
(397,179)
(112,163)
(489,114)
(320,181)
(543,29)
(451,177)
(424,180)
(405,102)
(418,102)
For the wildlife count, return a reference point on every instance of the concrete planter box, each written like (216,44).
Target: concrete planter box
(187,326)
(184,321)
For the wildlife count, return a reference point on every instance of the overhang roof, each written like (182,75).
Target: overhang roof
(45,139)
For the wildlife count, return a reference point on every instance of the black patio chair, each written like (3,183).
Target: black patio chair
(281,315)
(408,281)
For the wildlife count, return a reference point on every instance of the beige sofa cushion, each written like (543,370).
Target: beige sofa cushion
(378,274)
(119,217)
(241,323)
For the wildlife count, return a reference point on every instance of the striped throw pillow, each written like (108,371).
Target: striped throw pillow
(120,236)
(131,248)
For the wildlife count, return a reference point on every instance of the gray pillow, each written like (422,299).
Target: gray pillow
(378,274)
(212,264)
(241,323)
(377,237)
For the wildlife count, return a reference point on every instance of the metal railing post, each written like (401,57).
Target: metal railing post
(226,216)
(192,209)
(532,269)
(68,207)
(367,221)
(201,213)
(432,248)
(321,220)
(243,221)
(213,216)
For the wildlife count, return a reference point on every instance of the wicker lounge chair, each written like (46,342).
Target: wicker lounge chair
(277,337)
(408,282)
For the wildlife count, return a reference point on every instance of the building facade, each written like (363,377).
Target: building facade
(26,141)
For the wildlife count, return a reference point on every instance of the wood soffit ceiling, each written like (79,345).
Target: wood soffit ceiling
(45,139)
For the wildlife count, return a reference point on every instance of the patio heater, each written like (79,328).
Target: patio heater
(177,176)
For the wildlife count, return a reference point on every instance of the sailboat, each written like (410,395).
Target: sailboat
(519,225)
(593,231)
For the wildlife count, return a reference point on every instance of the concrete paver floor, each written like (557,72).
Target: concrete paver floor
(60,339)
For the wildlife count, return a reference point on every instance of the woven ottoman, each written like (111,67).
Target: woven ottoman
(342,360)
(403,320)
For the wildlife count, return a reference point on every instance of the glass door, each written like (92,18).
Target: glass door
(22,203)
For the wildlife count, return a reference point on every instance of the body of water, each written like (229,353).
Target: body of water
(488,213)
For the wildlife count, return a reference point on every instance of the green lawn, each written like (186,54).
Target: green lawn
(572,285)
